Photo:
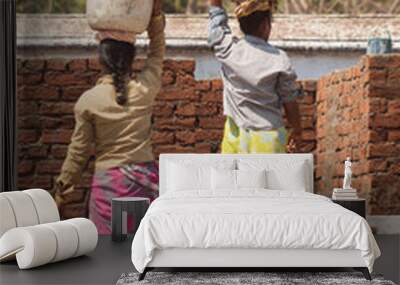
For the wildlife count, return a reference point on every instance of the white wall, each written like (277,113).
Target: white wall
(308,64)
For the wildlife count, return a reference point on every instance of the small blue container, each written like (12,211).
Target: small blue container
(380,45)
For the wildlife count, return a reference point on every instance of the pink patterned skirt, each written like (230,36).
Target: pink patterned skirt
(135,180)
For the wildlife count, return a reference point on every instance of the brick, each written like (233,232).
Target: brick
(57,64)
(307,99)
(37,151)
(72,93)
(214,122)
(56,136)
(208,135)
(186,65)
(211,97)
(217,85)
(32,66)
(186,122)
(27,136)
(24,183)
(186,137)
(50,123)
(163,109)
(307,110)
(172,149)
(174,93)
(42,92)
(94,64)
(25,167)
(66,79)
(162,137)
(185,80)
(59,108)
(376,165)
(204,148)
(394,106)
(167,78)
(394,136)
(308,135)
(161,123)
(207,109)
(28,122)
(43,182)
(383,150)
(393,78)
(377,78)
(186,109)
(391,121)
(384,92)
(30,79)
(376,105)
(383,61)
(395,167)
(203,85)
(27,108)
(78,64)
(49,167)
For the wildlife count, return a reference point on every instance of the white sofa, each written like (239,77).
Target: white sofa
(31,231)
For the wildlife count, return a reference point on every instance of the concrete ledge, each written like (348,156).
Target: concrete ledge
(294,32)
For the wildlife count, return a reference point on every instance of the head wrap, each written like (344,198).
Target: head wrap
(116,35)
(247,7)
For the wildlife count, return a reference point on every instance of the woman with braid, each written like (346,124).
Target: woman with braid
(115,117)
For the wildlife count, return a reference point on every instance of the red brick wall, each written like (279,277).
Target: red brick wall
(187,118)
(358,115)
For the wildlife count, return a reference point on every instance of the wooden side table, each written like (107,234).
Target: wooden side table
(357,206)
(121,209)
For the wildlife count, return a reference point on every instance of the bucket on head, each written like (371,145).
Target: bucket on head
(119,15)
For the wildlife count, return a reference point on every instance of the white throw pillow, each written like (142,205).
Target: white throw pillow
(290,175)
(183,175)
(223,179)
(226,179)
(251,178)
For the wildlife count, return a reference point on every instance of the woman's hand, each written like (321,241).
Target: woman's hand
(157,8)
(60,192)
(295,141)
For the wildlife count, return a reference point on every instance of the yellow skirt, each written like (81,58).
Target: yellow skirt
(238,140)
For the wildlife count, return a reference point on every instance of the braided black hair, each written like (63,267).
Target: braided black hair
(117,58)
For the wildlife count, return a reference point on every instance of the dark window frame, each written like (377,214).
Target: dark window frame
(8,136)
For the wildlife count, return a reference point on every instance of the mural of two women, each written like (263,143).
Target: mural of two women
(115,115)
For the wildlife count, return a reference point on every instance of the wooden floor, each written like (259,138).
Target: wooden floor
(110,260)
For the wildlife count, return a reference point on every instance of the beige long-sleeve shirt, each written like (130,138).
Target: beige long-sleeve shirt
(121,134)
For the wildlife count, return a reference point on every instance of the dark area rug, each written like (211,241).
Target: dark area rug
(244,278)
